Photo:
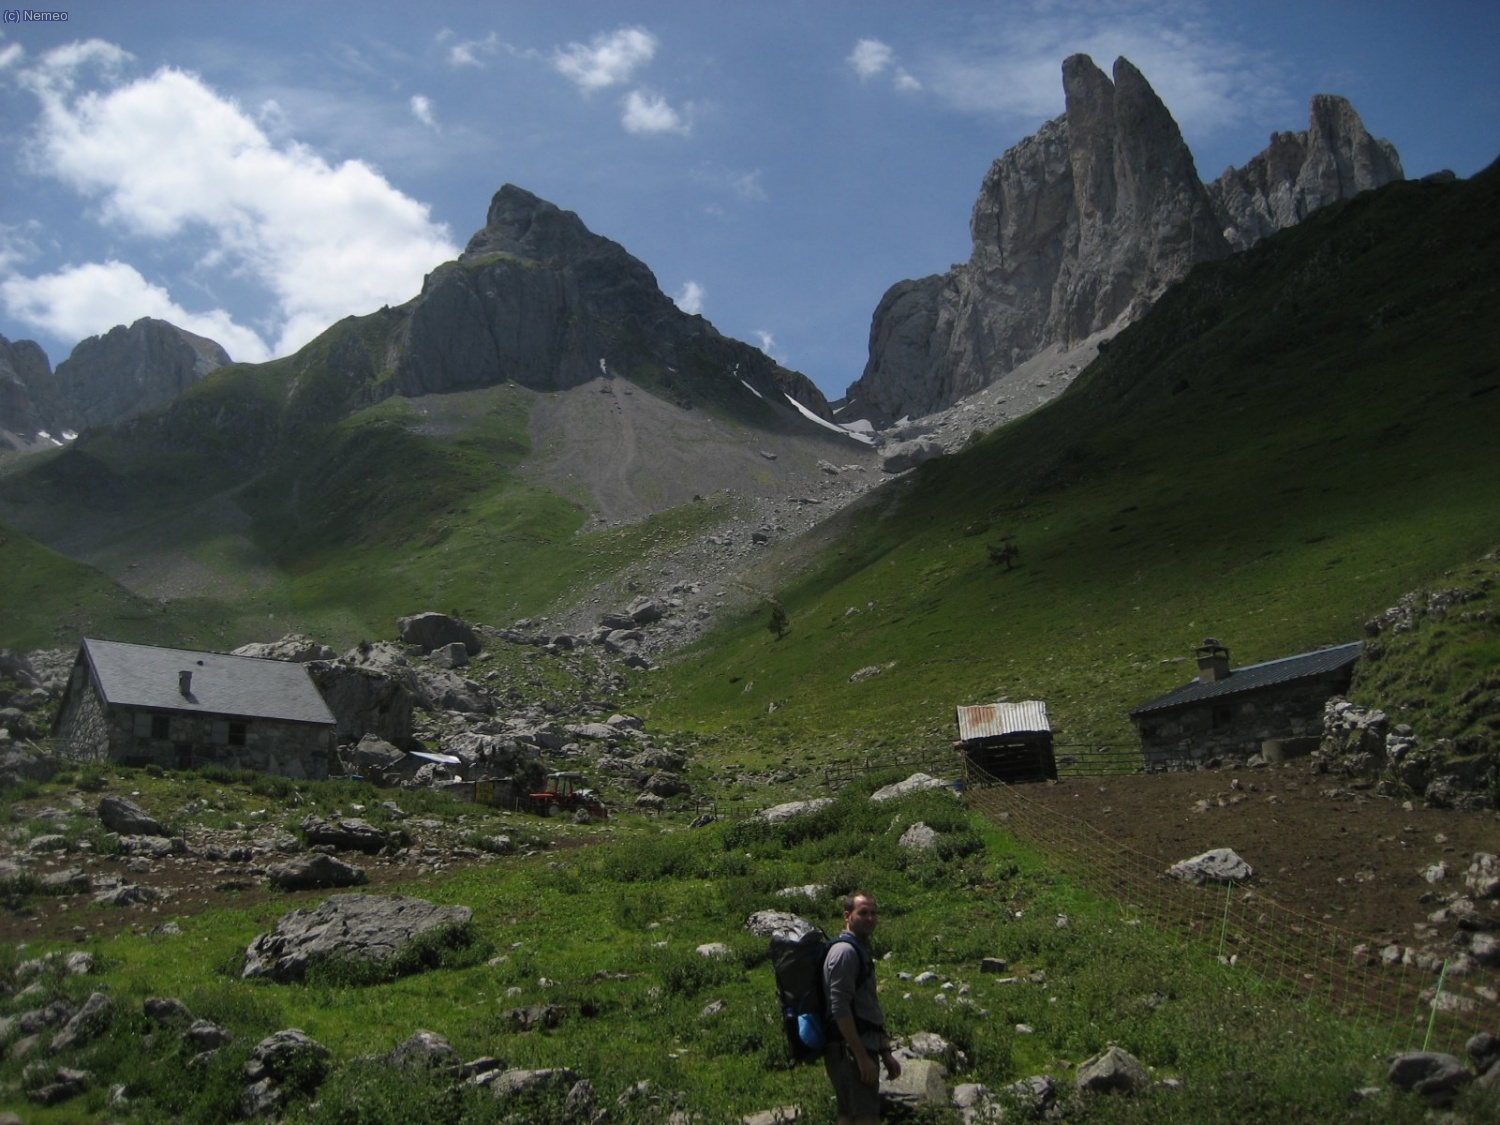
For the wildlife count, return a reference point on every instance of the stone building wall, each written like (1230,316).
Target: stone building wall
(176,740)
(82,728)
(1235,727)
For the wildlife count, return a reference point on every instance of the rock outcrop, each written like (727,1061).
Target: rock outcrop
(1081,226)
(539,299)
(1298,173)
(128,371)
(25,389)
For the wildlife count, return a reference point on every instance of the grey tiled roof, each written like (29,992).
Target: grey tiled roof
(245,687)
(1253,677)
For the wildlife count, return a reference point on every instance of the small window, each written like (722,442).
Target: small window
(237,734)
(161,726)
(1223,715)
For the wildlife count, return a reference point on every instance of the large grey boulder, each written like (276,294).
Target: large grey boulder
(771,923)
(777,813)
(435,630)
(294,647)
(350,834)
(314,871)
(1220,865)
(920,1083)
(916,783)
(1112,1071)
(128,818)
(365,700)
(371,929)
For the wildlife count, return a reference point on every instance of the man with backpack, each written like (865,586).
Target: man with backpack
(854,1010)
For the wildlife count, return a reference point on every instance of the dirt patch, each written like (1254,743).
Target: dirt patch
(1321,847)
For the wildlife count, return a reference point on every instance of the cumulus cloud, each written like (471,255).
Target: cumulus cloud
(170,161)
(91,299)
(871,58)
(10,55)
(605,60)
(767,343)
(646,112)
(421,109)
(690,297)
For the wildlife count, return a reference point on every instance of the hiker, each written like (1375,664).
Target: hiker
(854,1009)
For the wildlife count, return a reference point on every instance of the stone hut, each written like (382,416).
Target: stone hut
(1273,709)
(1009,742)
(139,705)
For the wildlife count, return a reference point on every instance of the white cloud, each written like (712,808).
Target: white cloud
(470,52)
(905,82)
(169,160)
(1013,67)
(870,57)
(91,299)
(745,186)
(606,60)
(646,112)
(690,298)
(767,344)
(421,109)
(10,55)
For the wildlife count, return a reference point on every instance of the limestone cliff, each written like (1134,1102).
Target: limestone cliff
(25,390)
(539,299)
(1081,226)
(128,371)
(1297,173)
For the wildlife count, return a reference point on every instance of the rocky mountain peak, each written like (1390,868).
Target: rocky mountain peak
(529,227)
(1081,226)
(1076,229)
(1299,172)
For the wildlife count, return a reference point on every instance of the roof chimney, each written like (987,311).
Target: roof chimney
(185,684)
(1213,662)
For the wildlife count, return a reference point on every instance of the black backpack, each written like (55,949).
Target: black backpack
(798,964)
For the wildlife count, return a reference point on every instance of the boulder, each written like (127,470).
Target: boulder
(777,813)
(1221,865)
(128,819)
(918,838)
(1437,1077)
(916,783)
(350,834)
(920,1083)
(293,647)
(771,923)
(428,631)
(367,928)
(1113,1071)
(314,871)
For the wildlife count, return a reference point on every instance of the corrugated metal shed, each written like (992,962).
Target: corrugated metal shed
(995,720)
(1253,677)
(246,687)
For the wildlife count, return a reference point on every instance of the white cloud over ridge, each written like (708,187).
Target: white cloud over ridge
(690,298)
(91,299)
(170,161)
(606,60)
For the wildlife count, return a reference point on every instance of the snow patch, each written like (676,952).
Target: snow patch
(865,439)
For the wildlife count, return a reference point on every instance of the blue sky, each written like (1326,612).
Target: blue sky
(253,172)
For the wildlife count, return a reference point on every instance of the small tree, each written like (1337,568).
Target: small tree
(778,623)
(1005,552)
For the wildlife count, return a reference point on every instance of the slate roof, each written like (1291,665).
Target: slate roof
(242,687)
(1254,677)
(992,720)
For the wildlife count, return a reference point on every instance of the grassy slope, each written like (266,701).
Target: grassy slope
(358,514)
(1289,442)
(607,935)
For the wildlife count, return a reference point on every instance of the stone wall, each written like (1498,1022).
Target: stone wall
(301,750)
(1235,727)
(82,729)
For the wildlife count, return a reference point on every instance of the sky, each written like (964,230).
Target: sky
(253,172)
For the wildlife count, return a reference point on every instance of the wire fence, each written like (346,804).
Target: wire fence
(1410,998)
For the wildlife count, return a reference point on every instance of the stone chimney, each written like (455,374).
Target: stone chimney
(1213,662)
(185,684)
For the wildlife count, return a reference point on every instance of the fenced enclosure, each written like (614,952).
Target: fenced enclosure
(1412,1002)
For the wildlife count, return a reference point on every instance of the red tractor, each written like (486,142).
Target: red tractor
(564,794)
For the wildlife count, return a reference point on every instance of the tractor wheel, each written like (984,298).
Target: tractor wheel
(554,809)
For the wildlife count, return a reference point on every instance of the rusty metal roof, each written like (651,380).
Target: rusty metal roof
(992,720)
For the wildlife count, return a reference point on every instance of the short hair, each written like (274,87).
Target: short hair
(849,899)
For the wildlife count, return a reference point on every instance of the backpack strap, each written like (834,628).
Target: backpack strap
(866,958)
